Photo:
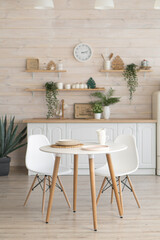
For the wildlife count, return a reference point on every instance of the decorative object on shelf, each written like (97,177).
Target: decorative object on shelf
(51,66)
(104,4)
(83,52)
(145,65)
(130,76)
(91,83)
(81,85)
(51,98)
(59,85)
(59,65)
(83,110)
(107,63)
(67,86)
(106,100)
(77,85)
(9,142)
(97,109)
(32,64)
(44,67)
(117,63)
(110,56)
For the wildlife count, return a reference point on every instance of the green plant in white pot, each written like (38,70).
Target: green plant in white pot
(97,109)
(9,142)
(106,100)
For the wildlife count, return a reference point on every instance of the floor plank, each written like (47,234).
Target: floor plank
(18,222)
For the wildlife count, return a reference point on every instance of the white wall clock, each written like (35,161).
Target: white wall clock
(82,52)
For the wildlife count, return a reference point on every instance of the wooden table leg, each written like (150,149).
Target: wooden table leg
(54,180)
(114,184)
(75,183)
(93,192)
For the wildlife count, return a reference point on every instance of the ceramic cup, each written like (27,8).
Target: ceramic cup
(59,85)
(67,86)
(77,85)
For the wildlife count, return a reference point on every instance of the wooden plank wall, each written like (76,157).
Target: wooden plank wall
(131,30)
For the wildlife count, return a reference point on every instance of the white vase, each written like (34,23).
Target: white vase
(106,112)
(97,115)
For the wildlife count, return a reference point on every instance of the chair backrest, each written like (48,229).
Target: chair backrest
(127,160)
(37,160)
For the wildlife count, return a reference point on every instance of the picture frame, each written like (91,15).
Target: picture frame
(83,111)
(32,64)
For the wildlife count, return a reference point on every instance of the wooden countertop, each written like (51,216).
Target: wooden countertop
(116,120)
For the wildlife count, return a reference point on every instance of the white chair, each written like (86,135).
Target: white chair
(42,163)
(124,163)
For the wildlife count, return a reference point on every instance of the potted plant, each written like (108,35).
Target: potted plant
(9,142)
(97,109)
(51,98)
(130,75)
(106,100)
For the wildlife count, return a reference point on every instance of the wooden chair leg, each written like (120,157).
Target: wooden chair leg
(65,195)
(54,179)
(100,191)
(30,190)
(112,191)
(44,191)
(120,193)
(110,165)
(134,194)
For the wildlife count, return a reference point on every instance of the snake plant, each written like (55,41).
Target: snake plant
(9,139)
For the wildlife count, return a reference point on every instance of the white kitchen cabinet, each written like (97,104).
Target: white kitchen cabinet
(127,129)
(54,132)
(36,128)
(146,143)
(145,134)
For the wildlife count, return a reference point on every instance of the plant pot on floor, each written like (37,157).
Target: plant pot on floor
(97,115)
(106,112)
(4,166)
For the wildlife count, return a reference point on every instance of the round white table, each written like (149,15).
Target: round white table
(78,151)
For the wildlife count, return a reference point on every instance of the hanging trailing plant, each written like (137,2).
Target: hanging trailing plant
(130,76)
(51,98)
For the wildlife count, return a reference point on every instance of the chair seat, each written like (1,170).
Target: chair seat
(62,171)
(104,171)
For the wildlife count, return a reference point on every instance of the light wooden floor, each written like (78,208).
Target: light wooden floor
(18,222)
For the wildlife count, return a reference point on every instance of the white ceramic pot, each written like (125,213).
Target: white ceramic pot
(67,86)
(106,112)
(59,85)
(97,115)
(107,65)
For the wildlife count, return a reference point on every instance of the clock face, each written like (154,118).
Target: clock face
(82,52)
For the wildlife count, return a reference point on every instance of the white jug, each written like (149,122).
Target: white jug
(101,133)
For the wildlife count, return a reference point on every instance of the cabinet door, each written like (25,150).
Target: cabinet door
(86,132)
(146,143)
(36,128)
(55,132)
(127,129)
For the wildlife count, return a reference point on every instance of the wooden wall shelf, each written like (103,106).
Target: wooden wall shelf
(46,71)
(119,71)
(64,90)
